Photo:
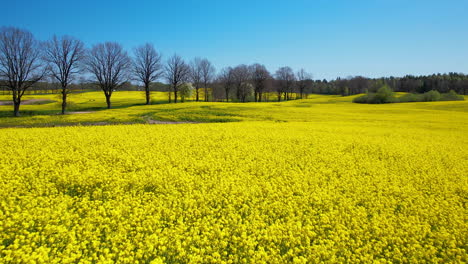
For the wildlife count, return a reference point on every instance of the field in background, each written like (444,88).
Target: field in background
(306,181)
(128,107)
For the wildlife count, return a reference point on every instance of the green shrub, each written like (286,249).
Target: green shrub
(431,96)
(383,96)
(361,99)
(451,96)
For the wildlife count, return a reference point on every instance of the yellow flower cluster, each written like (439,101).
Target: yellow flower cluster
(248,192)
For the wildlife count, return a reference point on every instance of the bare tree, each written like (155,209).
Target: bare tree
(196,75)
(109,64)
(285,82)
(20,65)
(208,73)
(147,67)
(241,75)
(260,75)
(64,55)
(303,78)
(177,73)
(226,79)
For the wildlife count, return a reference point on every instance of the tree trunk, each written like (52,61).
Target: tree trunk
(260,96)
(16,102)
(255,95)
(16,106)
(279,97)
(147,91)
(206,94)
(64,100)
(108,96)
(227,95)
(196,90)
(175,95)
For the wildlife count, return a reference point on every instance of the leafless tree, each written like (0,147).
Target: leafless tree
(303,78)
(260,76)
(285,82)
(64,55)
(147,67)
(109,64)
(20,64)
(208,73)
(242,76)
(226,79)
(196,75)
(177,73)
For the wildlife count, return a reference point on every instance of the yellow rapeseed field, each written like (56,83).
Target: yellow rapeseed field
(356,184)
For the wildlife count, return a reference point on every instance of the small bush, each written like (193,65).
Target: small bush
(431,96)
(451,96)
(383,96)
(361,99)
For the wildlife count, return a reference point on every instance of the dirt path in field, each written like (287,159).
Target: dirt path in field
(28,102)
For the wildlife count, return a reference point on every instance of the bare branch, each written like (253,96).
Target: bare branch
(110,65)
(208,72)
(303,80)
(196,75)
(147,66)
(63,56)
(177,72)
(19,62)
(260,76)
(241,74)
(285,82)
(226,78)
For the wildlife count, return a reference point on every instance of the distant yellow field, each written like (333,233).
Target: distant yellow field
(320,180)
(128,107)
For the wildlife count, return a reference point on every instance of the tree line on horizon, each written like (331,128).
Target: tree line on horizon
(28,64)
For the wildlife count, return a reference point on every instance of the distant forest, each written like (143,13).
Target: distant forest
(442,83)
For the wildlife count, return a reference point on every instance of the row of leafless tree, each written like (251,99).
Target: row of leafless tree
(25,61)
(256,79)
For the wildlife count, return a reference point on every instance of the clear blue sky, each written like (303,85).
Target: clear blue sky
(328,38)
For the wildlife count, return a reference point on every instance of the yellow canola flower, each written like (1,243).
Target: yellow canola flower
(249,192)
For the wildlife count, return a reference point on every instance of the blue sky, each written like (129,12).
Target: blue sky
(328,38)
